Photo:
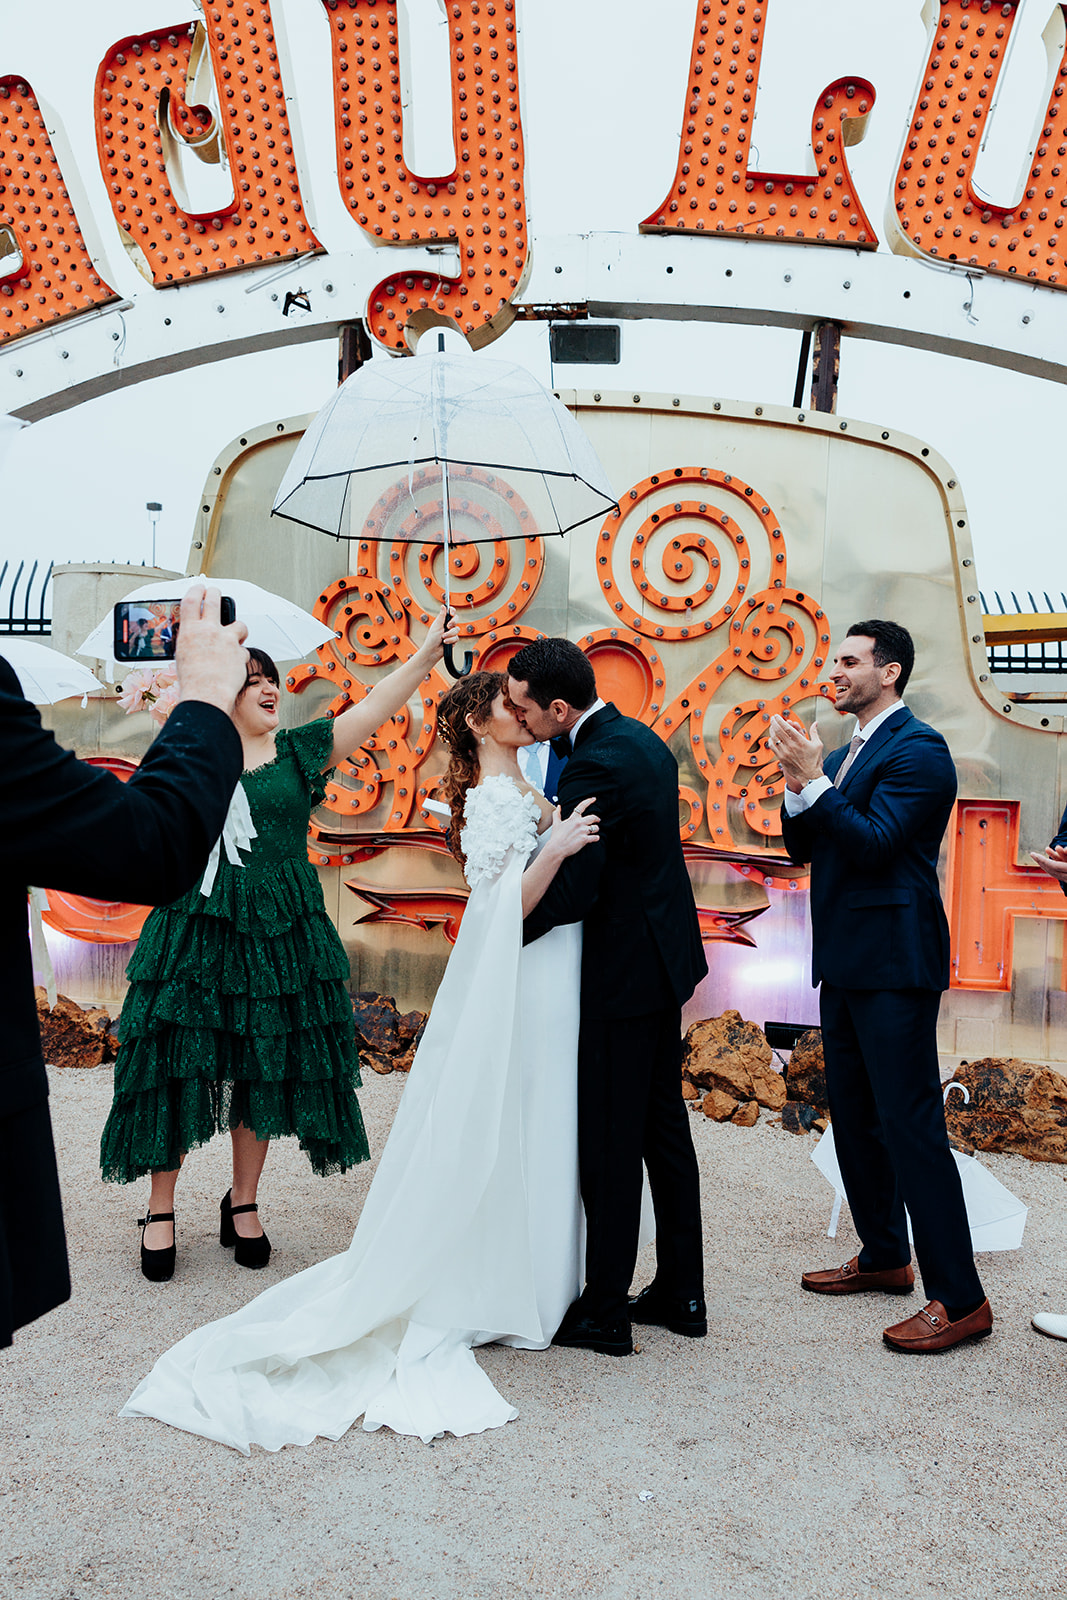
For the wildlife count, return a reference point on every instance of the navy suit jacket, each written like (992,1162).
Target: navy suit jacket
(641,947)
(877,917)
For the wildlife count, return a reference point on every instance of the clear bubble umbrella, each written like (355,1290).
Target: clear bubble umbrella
(462,414)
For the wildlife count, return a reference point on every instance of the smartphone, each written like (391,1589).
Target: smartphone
(147,630)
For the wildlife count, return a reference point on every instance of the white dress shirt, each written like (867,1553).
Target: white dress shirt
(598,705)
(796,803)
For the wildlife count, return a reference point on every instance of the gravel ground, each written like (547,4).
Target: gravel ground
(788,1454)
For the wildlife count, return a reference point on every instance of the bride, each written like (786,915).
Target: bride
(471,1230)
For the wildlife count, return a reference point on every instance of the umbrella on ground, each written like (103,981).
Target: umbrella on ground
(995,1216)
(46,675)
(274,624)
(461,415)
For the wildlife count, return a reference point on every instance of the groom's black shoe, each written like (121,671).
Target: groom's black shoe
(580,1331)
(688,1317)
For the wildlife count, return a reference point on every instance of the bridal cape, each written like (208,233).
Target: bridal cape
(471,1230)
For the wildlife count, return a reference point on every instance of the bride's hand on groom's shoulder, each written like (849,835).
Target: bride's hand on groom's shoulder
(573,833)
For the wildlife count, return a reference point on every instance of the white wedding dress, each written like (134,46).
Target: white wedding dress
(472,1229)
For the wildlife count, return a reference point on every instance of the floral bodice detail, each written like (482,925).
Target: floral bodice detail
(497,817)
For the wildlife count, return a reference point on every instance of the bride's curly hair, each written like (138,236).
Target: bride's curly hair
(472,697)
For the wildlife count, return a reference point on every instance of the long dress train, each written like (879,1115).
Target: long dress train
(471,1230)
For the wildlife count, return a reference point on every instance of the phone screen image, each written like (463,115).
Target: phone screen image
(146,630)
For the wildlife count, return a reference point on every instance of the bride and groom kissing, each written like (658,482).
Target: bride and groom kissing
(546,1084)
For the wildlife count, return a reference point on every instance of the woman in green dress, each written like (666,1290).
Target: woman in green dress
(238,1015)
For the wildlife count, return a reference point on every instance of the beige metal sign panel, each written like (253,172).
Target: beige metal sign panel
(748,538)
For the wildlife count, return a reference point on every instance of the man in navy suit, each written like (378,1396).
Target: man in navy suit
(871,824)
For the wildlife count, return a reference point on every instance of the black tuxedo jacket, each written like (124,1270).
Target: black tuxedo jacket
(65,825)
(641,948)
(877,918)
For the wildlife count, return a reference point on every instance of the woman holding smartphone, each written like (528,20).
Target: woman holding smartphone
(238,1017)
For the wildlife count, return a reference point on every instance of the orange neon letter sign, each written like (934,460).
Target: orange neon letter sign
(937,209)
(480,206)
(45,270)
(143,117)
(988,889)
(715,190)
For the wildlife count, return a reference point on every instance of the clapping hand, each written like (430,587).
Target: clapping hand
(798,755)
(1054,861)
(571,834)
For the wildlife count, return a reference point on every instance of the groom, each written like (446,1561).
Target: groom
(642,957)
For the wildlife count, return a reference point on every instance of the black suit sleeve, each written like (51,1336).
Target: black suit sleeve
(915,778)
(573,891)
(67,825)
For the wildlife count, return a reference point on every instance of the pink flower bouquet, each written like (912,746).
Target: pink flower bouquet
(151,690)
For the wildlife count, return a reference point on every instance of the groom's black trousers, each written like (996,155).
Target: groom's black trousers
(630,1109)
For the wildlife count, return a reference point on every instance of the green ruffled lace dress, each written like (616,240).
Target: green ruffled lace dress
(238,1010)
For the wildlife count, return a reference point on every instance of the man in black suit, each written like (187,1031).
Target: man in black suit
(871,825)
(65,825)
(642,957)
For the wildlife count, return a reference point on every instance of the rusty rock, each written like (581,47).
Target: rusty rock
(732,1055)
(746,1115)
(805,1076)
(410,1026)
(718,1106)
(689,1090)
(1014,1106)
(377,1030)
(402,1062)
(72,1036)
(799,1118)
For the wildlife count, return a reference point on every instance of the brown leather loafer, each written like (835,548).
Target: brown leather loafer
(930,1330)
(850,1280)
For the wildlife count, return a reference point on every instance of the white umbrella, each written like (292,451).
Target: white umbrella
(464,414)
(46,675)
(996,1217)
(274,624)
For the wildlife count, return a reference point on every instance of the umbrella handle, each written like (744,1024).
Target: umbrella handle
(450,662)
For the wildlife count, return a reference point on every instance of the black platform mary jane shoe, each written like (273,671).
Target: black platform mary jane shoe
(157,1265)
(246,1252)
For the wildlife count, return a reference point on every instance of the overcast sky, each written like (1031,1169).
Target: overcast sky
(601,107)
